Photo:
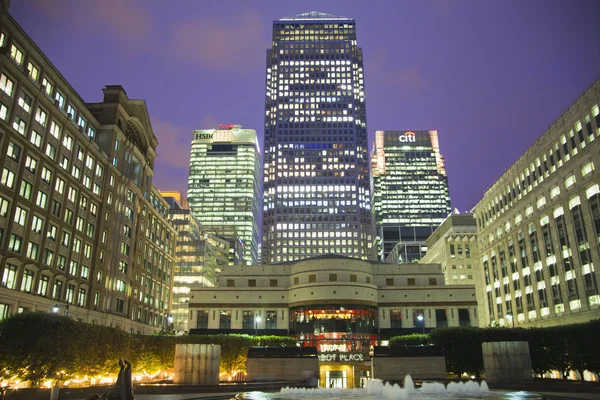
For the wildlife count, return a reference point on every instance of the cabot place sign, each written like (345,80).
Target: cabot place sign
(341,357)
(408,137)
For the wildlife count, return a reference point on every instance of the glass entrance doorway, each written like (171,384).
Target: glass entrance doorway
(336,379)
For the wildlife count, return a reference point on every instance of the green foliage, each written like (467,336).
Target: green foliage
(562,348)
(410,340)
(41,346)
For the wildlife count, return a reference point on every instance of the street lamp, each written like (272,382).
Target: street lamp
(56,308)
(256,322)
(510,316)
(420,318)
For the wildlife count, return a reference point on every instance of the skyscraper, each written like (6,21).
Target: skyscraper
(223,186)
(317,190)
(411,192)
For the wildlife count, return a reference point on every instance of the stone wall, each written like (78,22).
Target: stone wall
(394,368)
(197,364)
(285,368)
(507,362)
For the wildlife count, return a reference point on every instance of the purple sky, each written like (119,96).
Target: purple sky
(489,75)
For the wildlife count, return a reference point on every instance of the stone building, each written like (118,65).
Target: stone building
(539,226)
(343,306)
(83,231)
(453,245)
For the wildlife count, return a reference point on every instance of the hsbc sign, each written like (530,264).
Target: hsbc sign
(408,137)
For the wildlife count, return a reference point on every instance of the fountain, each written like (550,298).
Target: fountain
(376,389)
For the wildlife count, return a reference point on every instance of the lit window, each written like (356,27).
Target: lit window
(8,178)
(16,54)
(48,85)
(55,129)
(6,85)
(25,101)
(569,181)
(34,72)
(41,117)
(587,168)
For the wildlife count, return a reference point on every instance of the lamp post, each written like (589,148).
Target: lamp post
(256,322)
(56,308)
(510,316)
(421,319)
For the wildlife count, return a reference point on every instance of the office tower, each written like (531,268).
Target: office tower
(411,192)
(223,186)
(539,226)
(317,190)
(82,227)
(199,258)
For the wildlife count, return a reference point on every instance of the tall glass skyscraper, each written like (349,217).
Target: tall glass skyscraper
(223,187)
(411,192)
(317,188)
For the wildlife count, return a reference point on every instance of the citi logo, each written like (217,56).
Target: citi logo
(408,137)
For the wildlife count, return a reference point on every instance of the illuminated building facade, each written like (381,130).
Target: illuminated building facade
(342,306)
(411,192)
(539,226)
(199,258)
(223,186)
(317,188)
(82,226)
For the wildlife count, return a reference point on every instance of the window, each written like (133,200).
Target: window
(432,282)
(81,297)
(389,282)
(66,239)
(25,190)
(225,319)
(120,286)
(247,319)
(3,111)
(68,216)
(60,100)
(395,319)
(8,178)
(271,319)
(25,102)
(16,54)
(14,244)
(332,277)
(72,196)
(51,151)
(56,208)
(555,191)
(34,72)
(9,276)
(20,216)
(46,175)
(48,256)
(32,250)
(411,282)
(48,85)
(68,142)
(70,293)
(13,151)
(587,168)
(30,164)
(4,207)
(42,288)
(99,170)
(81,122)
(6,85)
(569,181)
(71,111)
(251,282)
(57,290)
(20,125)
(64,163)
(202,319)
(41,200)
(36,139)
(73,267)
(75,172)
(51,233)
(230,283)
(55,129)
(59,185)
(87,251)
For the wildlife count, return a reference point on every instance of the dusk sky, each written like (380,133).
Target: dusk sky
(490,76)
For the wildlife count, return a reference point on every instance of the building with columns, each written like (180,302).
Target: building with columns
(539,226)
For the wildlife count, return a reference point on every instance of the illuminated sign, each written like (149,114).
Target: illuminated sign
(342,357)
(204,136)
(408,137)
(226,126)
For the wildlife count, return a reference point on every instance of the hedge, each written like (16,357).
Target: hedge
(563,348)
(39,346)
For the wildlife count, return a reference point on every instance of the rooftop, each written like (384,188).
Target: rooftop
(315,15)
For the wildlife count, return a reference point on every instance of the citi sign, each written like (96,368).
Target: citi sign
(408,137)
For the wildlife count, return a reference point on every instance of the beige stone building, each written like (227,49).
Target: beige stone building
(83,231)
(539,226)
(454,246)
(342,306)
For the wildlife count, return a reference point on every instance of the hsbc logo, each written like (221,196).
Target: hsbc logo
(408,137)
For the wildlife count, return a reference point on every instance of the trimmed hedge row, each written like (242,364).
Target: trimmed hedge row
(562,348)
(39,346)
